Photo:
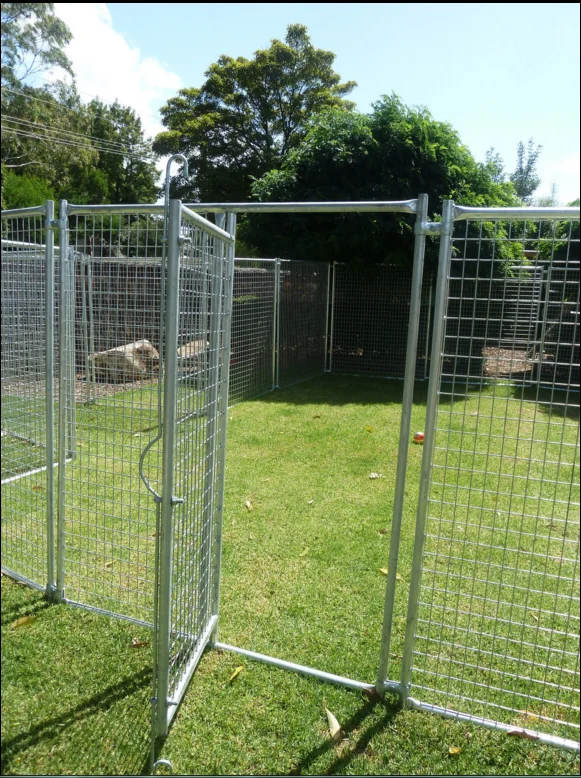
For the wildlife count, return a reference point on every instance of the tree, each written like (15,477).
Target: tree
(33,39)
(495,165)
(24,191)
(525,178)
(249,114)
(394,153)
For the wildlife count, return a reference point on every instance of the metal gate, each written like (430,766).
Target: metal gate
(493,619)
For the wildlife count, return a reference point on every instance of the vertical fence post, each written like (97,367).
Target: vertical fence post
(404,434)
(49,391)
(276,338)
(332,333)
(169,431)
(328,309)
(63,393)
(446,228)
(428,332)
(216,549)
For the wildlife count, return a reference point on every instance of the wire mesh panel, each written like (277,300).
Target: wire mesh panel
(114,348)
(301,340)
(197,440)
(497,632)
(253,317)
(24,406)
(370,320)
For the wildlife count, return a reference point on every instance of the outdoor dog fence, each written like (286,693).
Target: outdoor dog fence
(125,339)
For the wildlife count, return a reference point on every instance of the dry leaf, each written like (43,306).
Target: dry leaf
(383,531)
(527,714)
(397,577)
(305,552)
(248,505)
(334,728)
(23,621)
(316,416)
(236,673)
(137,643)
(109,564)
(534,615)
(155,535)
(311,502)
(383,570)
(453,750)
(375,475)
(369,429)
(524,733)
(371,694)
(38,488)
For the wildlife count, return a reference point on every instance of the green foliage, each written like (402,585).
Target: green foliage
(249,114)
(525,178)
(394,153)
(32,41)
(24,191)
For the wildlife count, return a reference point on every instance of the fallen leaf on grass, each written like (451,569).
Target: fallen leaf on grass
(375,475)
(371,694)
(527,714)
(249,505)
(316,416)
(369,429)
(38,488)
(384,571)
(454,750)
(109,564)
(524,733)
(155,535)
(23,621)
(236,673)
(534,615)
(383,531)
(311,502)
(305,552)
(334,728)
(137,643)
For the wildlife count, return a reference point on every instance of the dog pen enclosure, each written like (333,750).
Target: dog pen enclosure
(126,338)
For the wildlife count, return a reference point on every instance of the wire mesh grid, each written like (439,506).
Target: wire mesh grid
(24,420)
(201,408)
(370,321)
(301,341)
(497,635)
(253,318)
(109,515)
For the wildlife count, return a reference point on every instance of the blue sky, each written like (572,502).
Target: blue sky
(497,72)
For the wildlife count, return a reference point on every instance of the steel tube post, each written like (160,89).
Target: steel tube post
(327,317)
(223,403)
(63,411)
(91,315)
(332,318)
(169,430)
(404,434)
(277,295)
(446,228)
(49,389)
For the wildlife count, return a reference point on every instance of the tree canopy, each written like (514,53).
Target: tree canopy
(54,143)
(249,114)
(393,153)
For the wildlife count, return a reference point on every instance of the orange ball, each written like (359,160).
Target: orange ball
(419,437)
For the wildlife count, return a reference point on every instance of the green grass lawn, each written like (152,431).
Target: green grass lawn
(301,580)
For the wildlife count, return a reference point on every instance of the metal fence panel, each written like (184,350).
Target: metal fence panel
(108,517)
(194,451)
(301,342)
(25,436)
(497,613)
(253,323)
(370,321)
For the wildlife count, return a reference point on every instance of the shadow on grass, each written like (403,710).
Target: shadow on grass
(28,608)
(345,753)
(107,745)
(564,404)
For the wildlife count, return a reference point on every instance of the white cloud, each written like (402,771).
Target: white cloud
(106,65)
